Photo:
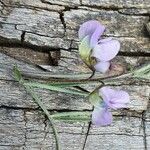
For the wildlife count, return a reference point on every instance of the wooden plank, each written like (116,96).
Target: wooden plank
(115,142)
(70,3)
(41,31)
(124,133)
(14,95)
(29,129)
(117,24)
(52,25)
(21,129)
(42,22)
(34,4)
(117,3)
(51,43)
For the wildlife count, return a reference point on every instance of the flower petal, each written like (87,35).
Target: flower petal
(96,35)
(106,51)
(89,27)
(106,93)
(102,66)
(121,98)
(114,98)
(101,116)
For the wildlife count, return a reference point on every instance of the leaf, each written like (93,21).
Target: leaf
(55,88)
(143,72)
(72,116)
(94,98)
(18,77)
(17,74)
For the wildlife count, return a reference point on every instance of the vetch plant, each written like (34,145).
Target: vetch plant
(96,54)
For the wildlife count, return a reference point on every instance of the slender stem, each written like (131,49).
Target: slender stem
(38,101)
(67,77)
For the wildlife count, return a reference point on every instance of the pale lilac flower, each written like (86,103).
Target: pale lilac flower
(103,50)
(112,99)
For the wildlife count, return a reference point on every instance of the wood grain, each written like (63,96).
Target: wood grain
(30,31)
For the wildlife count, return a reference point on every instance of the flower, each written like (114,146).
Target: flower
(95,51)
(112,99)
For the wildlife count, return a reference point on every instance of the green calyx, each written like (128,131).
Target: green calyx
(85,52)
(94,98)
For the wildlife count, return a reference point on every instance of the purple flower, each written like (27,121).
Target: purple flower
(103,50)
(112,99)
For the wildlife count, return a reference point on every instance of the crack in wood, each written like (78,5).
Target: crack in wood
(33,7)
(134,54)
(86,136)
(144,130)
(63,21)
(23,37)
(25,133)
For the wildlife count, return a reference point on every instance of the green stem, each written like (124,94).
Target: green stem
(38,101)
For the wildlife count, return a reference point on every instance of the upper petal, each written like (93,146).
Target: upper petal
(101,116)
(105,51)
(89,27)
(102,66)
(106,93)
(96,35)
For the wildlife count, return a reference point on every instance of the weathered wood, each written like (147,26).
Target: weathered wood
(148,27)
(42,30)
(34,4)
(139,95)
(118,3)
(15,96)
(64,2)
(30,131)
(52,43)
(43,22)
(117,24)
(39,26)
(21,129)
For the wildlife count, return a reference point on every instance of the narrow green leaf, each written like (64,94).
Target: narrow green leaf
(72,116)
(17,74)
(143,72)
(18,77)
(55,88)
